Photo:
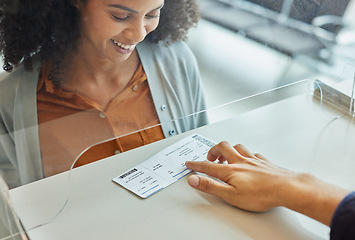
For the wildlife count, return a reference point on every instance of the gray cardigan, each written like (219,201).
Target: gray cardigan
(174,81)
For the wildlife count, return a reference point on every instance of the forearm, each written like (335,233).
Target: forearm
(312,197)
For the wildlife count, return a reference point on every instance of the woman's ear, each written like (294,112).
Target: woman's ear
(75,3)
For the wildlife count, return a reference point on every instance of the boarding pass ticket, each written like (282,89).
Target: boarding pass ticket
(165,167)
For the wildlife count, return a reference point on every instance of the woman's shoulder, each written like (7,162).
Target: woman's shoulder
(10,82)
(18,73)
(178,50)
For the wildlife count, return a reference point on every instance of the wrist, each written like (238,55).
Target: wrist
(312,197)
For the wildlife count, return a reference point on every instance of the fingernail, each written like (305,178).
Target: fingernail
(193,181)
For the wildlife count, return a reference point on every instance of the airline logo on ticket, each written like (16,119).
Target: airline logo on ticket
(165,167)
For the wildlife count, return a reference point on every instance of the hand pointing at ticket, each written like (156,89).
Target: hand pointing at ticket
(253,183)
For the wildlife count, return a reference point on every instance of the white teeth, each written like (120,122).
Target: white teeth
(124,46)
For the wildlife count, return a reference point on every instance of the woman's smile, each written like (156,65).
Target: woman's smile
(123,48)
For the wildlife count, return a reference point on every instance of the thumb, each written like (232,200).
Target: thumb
(208,185)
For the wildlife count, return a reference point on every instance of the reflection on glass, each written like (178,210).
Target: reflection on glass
(341,44)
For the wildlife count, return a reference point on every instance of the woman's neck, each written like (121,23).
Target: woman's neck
(95,69)
(98,80)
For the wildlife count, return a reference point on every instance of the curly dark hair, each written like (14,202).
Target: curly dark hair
(48,30)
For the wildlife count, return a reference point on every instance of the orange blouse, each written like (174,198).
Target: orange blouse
(70,124)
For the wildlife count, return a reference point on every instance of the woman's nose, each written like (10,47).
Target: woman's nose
(136,31)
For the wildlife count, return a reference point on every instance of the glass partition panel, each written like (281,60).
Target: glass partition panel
(245,55)
(70,184)
(243,48)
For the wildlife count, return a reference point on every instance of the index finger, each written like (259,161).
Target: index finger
(211,169)
(225,151)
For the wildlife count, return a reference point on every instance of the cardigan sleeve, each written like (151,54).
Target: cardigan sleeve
(8,169)
(343,222)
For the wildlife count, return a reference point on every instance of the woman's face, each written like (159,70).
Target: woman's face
(110,29)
